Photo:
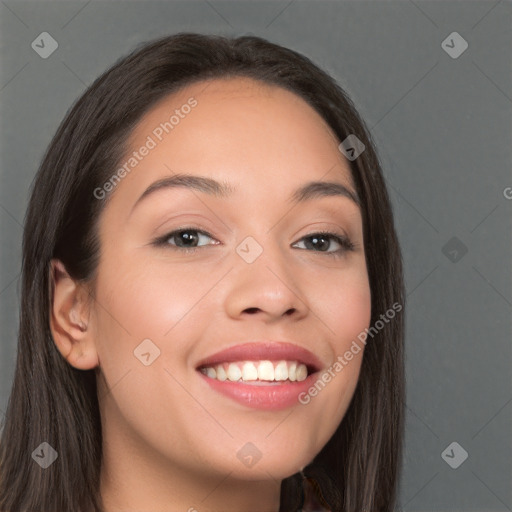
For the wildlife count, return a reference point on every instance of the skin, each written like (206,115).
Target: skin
(170,443)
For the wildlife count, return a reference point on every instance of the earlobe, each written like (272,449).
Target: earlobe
(70,319)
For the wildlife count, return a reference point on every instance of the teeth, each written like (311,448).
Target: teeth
(302,372)
(281,371)
(292,371)
(211,372)
(249,372)
(221,373)
(268,371)
(234,372)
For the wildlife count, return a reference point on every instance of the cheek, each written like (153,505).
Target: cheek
(342,302)
(147,298)
(345,308)
(141,299)
(344,305)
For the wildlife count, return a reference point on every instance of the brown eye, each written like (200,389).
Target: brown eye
(186,239)
(322,241)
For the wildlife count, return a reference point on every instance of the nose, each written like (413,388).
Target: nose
(266,288)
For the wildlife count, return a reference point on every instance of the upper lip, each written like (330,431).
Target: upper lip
(264,350)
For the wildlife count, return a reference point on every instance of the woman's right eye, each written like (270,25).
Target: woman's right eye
(185,239)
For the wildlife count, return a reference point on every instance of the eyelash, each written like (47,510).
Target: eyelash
(345,243)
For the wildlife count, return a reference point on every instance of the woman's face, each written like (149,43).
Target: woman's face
(253,274)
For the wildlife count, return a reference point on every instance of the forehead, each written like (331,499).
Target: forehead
(240,131)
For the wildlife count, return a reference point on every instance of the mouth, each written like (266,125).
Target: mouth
(261,375)
(264,372)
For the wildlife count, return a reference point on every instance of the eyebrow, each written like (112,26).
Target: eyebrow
(310,190)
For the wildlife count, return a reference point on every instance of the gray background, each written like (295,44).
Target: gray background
(443,130)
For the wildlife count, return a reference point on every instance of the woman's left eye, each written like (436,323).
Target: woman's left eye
(187,240)
(322,240)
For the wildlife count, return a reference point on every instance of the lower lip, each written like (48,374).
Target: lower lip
(272,397)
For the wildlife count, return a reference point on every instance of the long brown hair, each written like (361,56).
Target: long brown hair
(359,468)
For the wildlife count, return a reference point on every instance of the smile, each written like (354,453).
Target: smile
(261,375)
(258,371)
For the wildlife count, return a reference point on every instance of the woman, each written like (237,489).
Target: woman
(212,295)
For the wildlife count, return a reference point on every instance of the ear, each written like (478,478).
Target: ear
(69,319)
